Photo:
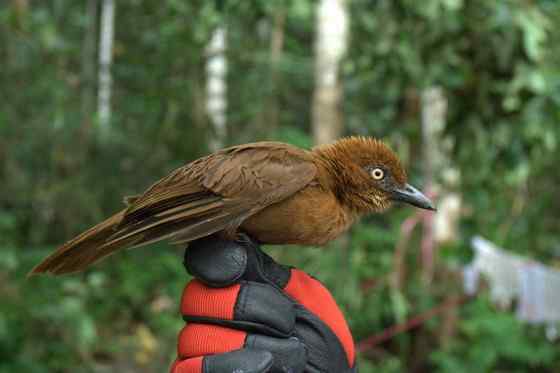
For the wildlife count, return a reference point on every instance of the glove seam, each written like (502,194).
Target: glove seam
(245,326)
(240,307)
(205,367)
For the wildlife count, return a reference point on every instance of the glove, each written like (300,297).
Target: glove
(249,314)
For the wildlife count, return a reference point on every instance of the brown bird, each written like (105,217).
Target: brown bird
(274,192)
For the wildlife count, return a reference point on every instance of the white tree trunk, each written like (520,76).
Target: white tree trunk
(442,178)
(105,61)
(330,48)
(89,64)
(216,87)
(440,173)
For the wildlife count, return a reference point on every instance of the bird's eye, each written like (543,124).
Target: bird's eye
(377,173)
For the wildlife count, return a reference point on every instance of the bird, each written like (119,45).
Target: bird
(273,192)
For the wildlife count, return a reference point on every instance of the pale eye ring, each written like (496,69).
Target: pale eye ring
(377,173)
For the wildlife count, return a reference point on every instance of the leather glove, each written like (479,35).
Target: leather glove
(245,313)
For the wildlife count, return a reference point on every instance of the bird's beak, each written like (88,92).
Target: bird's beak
(413,196)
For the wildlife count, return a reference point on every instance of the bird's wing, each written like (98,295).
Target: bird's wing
(206,196)
(216,193)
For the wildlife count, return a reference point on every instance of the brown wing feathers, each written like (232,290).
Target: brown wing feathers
(212,194)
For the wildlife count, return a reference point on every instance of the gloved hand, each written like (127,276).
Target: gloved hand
(249,314)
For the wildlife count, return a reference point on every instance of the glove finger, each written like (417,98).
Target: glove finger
(197,340)
(244,360)
(247,306)
(215,261)
(205,339)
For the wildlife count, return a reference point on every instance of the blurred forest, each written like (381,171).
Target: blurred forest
(89,114)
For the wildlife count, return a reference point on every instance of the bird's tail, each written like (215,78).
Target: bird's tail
(181,220)
(88,247)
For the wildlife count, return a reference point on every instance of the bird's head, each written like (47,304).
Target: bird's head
(368,175)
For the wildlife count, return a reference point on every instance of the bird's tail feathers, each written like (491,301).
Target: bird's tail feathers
(81,251)
(180,224)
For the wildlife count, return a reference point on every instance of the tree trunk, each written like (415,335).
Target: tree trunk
(21,7)
(88,67)
(434,106)
(269,119)
(216,87)
(330,48)
(105,61)
(442,177)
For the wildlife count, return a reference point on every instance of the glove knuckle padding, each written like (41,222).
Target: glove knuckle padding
(216,262)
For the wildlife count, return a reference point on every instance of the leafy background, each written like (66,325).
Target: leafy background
(498,61)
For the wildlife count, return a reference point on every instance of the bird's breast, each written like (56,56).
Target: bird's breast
(312,216)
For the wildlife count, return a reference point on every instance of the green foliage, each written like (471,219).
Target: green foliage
(497,62)
(522,348)
(97,319)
